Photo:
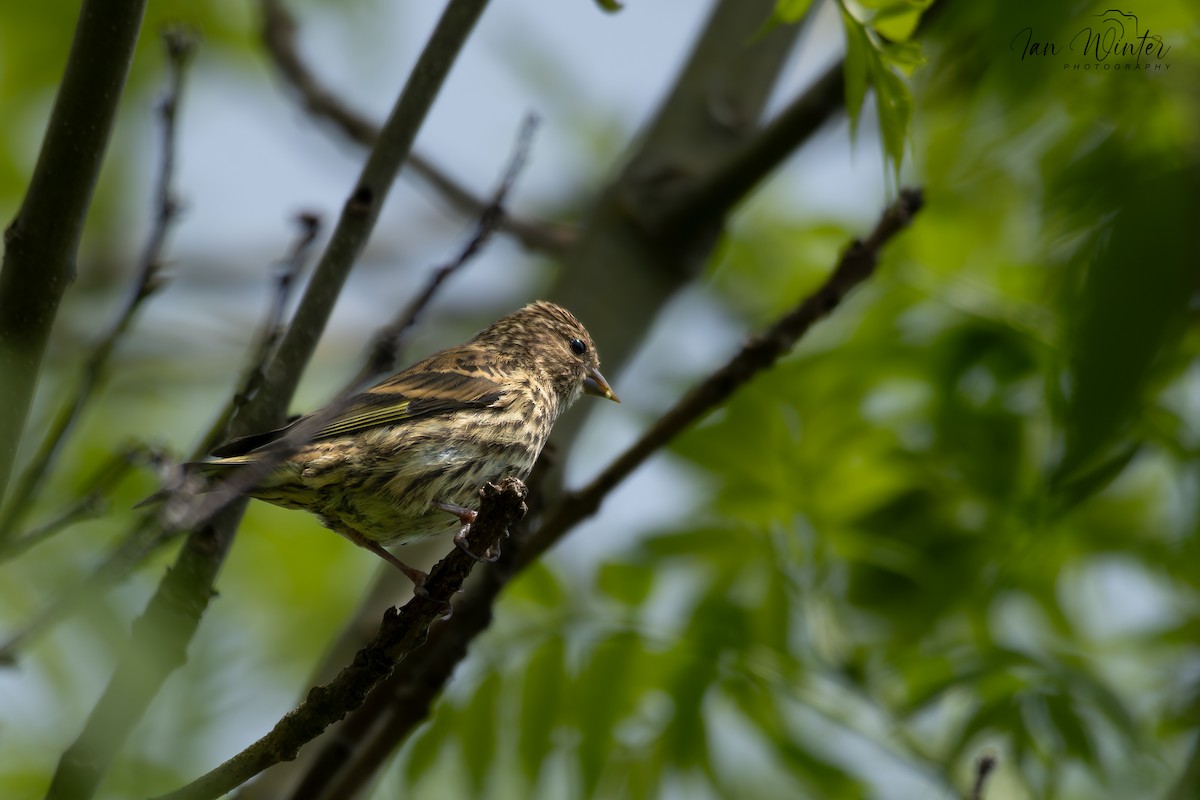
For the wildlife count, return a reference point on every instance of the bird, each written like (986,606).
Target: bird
(406,458)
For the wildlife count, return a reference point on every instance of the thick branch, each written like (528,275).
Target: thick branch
(41,242)
(734,178)
(279,37)
(402,631)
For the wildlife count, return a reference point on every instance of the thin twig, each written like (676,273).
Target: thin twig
(279,38)
(141,540)
(402,631)
(983,768)
(403,701)
(271,331)
(90,504)
(186,510)
(179,44)
(389,342)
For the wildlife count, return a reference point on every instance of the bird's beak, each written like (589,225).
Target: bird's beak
(595,384)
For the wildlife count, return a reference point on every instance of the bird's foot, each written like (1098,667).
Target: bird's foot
(467,516)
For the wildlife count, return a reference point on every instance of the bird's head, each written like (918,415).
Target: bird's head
(547,338)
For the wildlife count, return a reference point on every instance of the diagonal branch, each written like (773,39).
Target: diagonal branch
(184,510)
(40,244)
(403,701)
(737,175)
(179,44)
(279,38)
(402,631)
(160,637)
(760,353)
(389,342)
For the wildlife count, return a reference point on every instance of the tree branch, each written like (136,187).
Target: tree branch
(91,503)
(403,701)
(279,38)
(179,45)
(761,352)
(983,769)
(731,180)
(402,631)
(160,637)
(389,342)
(42,241)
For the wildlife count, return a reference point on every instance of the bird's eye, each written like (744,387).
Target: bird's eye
(578,347)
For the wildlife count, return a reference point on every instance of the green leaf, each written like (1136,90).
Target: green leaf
(1069,491)
(791,11)
(604,692)
(858,49)
(1070,727)
(541,695)
(538,585)
(477,729)
(893,100)
(428,743)
(626,582)
(1131,308)
(898,21)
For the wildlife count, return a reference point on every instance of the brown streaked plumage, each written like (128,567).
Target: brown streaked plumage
(387,468)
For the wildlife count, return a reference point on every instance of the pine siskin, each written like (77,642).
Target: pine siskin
(400,455)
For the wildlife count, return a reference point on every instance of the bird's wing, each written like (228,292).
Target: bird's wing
(412,394)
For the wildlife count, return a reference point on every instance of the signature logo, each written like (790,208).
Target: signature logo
(1112,40)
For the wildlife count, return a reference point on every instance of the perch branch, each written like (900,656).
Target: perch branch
(402,631)
(405,698)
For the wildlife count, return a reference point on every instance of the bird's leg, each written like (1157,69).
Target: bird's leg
(415,575)
(466,516)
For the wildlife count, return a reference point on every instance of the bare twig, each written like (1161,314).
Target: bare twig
(185,510)
(279,38)
(271,330)
(401,632)
(983,768)
(41,242)
(404,700)
(142,539)
(389,342)
(179,44)
(90,504)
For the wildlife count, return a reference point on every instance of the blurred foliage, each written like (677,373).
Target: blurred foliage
(960,519)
